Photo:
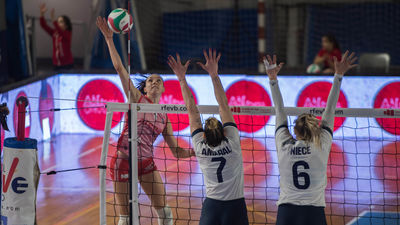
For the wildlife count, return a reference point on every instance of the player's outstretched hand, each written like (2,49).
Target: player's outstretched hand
(345,64)
(102,25)
(271,67)
(177,67)
(212,59)
(43,9)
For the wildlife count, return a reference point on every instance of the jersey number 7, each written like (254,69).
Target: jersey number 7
(304,175)
(221,166)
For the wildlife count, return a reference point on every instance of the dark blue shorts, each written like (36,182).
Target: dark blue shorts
(216,212)
(289,214)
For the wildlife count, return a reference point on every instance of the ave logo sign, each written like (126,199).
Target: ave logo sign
(19,184)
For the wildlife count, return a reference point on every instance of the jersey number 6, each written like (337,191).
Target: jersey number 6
(221,166)
(296,175)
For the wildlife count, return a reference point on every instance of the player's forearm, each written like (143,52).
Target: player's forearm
(318,60)
(329,113)
(182,153)
(188,98)
(115,58)
(219,92)
(281,118)
(331,64)
(119,67)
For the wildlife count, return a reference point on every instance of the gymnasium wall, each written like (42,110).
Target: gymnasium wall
(371,19)
(80,99)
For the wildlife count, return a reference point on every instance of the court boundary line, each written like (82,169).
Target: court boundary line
(369,211)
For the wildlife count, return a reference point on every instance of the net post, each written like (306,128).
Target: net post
(133,172)
(102,172)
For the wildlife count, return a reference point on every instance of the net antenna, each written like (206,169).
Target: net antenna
(129,51)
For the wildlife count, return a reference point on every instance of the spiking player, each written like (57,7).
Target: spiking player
(303,162)
(217,149)
(150,126)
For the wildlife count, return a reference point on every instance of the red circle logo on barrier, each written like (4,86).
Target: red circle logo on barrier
(387,167)
(46,103)
(91,101)
(316,95)
(389,98)
(28,118)
(173,95)
(248,93)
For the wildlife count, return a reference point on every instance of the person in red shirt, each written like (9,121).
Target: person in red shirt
(324,58)
(61,35)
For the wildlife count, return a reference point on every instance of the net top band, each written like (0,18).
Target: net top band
(254,110)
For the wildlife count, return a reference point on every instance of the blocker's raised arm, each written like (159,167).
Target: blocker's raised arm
(341,67)
(180,72)
(211,67)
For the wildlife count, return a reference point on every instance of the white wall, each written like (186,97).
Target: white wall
(77,10)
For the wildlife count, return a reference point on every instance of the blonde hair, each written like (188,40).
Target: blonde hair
(308,128)
(214,132)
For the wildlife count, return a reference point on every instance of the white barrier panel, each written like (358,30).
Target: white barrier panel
(19,183)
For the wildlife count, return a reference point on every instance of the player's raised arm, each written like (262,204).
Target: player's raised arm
(272,71)
(116,60)
(180,71)
(211,67)
(341,67)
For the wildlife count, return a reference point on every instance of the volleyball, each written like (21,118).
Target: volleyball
(120,21)
(313,68)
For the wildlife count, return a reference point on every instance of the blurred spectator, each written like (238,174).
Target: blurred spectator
(62,36)
(323,61)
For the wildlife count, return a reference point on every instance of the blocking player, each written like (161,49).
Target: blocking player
(303,161)
(217,149)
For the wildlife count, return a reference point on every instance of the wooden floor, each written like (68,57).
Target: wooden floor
(73,197)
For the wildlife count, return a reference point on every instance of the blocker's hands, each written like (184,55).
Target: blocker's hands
(177,67)
(212,60)
(345,64)
(271,67)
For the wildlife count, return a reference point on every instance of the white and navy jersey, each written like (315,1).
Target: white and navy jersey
(302,165)
(222,166)
(302,168)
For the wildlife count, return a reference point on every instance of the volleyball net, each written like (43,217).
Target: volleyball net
(363,168)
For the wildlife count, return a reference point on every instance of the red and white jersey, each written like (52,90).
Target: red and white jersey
(149,126)
(62,39)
